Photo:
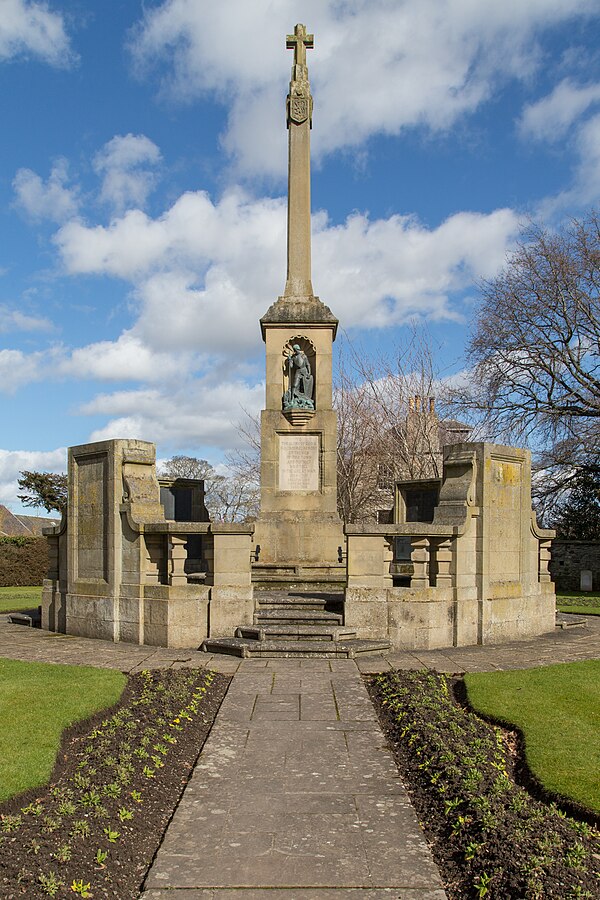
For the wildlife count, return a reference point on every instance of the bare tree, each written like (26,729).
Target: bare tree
(187,467)
(233,499)
(228,498)
(535,351)
(388,428)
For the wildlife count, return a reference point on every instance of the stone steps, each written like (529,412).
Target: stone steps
(247,648)
(296,625)
(293,632)
(322,601)
(297,616)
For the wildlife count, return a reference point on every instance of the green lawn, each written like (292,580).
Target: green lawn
(37,702)
(580,602)
(14,598)
(558,712)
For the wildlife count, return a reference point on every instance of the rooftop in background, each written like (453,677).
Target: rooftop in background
(12,525)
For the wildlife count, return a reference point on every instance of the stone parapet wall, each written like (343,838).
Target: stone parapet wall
(479,571)
(569,558)
(119,570)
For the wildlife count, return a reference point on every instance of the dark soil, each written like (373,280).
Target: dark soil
(490,837)
(94,830)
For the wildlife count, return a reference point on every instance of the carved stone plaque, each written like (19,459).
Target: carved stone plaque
(299,462)
(298,109)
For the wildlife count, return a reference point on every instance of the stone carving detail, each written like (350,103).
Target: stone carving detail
(299,374)
(299,107)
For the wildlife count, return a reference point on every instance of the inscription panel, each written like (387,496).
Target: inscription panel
(299,462)
(505,520)
(91,527)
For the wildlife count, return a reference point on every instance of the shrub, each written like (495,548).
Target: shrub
(23,560)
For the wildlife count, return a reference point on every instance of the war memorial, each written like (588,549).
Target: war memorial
(137,561)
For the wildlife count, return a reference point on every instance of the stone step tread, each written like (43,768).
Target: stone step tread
(297,617)
(306,632)
(309,601)
(248,648)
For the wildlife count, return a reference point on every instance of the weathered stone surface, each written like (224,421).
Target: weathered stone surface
(479,570)
(295,793)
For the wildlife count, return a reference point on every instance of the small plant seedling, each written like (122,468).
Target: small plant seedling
(33,809)
(112,836)
(112,790)
(90,798)
(80,828)
(51,824)
(575,855)
(125,815)
(10,823)
(101,857)
(50,883)
(82,888)
(66,808)
(481,884)
(63,853)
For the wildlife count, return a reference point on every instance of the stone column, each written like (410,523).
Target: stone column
(420,559)
(177,559)
(545,557)
(444,563)
(299,120)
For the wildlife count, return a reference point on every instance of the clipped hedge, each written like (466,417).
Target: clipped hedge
(23,560)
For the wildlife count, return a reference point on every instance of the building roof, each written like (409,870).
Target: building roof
(12,525)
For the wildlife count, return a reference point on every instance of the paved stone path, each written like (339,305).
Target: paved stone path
(561,645)
(296,796)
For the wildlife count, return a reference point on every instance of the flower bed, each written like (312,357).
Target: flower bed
(94,830)
(490,838)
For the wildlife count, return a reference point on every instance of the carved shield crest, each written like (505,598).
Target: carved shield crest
(298,109)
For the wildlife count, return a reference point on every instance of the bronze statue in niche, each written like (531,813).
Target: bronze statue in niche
(300,375)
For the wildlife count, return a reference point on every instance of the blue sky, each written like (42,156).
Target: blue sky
(143,178)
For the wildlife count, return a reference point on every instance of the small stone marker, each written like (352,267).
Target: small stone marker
(585,580)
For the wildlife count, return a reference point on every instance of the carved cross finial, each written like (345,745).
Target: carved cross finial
(298,42)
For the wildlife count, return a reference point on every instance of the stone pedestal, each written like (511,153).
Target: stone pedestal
(298,519)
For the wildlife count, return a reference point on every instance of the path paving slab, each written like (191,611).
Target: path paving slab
(295,795)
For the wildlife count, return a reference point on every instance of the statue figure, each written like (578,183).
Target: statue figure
(301,381)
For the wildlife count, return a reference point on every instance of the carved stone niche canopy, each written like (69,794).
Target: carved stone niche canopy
(298,406)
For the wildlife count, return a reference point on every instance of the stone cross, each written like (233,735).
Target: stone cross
(298,42)
(299,109)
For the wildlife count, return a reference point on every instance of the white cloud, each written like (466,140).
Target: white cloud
(13,462)
(585,185)
(51,199)
(551,117)
(588,172)
(18,369)
(204,413)
(13,320)
(389,271)
(123,162)
(126,359)
(377,67)
(30,29)
(204,273)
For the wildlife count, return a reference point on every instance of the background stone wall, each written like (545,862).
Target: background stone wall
(569,558)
